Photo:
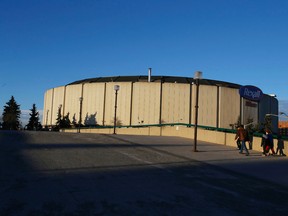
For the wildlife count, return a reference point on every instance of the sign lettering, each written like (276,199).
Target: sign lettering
(251,92)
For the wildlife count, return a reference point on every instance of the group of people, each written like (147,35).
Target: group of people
(267,142)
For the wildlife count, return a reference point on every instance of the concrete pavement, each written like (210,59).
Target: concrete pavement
(272,168)
(47,173)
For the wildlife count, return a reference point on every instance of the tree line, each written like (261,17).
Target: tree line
(12,113)
(11,117)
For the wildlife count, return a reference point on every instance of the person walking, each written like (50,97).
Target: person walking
(249,137)
(242,135)
(269,143)
(264,142)
(280,146)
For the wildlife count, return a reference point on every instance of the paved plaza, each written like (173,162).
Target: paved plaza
(50,173)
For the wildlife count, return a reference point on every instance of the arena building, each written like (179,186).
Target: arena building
(150,100)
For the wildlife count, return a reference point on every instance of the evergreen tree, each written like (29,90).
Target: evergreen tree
(11,115)
(66,121)
(59,118)
(62,121)
(34,123)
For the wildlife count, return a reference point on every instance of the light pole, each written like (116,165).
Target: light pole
(47,118)
(80,114)
(197,77)
(116,88)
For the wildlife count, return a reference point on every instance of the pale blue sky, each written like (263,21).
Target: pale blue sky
(50,43)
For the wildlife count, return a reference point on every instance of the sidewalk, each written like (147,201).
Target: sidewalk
(271,168)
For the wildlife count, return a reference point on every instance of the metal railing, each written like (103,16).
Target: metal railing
(225,130)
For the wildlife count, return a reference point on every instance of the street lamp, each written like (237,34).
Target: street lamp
(251,123)
(282,113)
(269,114)
(116,88)
(80,114)
(197,77)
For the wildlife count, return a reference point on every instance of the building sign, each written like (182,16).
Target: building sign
(250,92)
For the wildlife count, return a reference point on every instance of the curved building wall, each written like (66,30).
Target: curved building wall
(93,102)
(229,106)
(146,103)
(207,105)
(123,103)
(71,101)
(58,101)
(175,103)
(48,106)
(142,103)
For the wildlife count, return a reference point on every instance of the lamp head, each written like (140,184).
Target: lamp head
(283,113)
(198,75)
(116,87)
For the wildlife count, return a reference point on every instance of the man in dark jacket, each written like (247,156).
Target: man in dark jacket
(242,136)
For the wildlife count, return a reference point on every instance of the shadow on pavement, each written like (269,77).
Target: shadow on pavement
(47,173)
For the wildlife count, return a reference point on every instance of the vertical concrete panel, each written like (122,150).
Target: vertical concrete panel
(109,104)
(137,108)
(207,105)
(192,105)
(72,102)
(175,103)
(146,103)
(93,103)
(58,100)
(207,113)
(123,103)
(48,103)
(229,107)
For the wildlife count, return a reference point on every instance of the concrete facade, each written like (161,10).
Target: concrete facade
(163,100)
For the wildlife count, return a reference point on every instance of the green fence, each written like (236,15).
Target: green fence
(256,134)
